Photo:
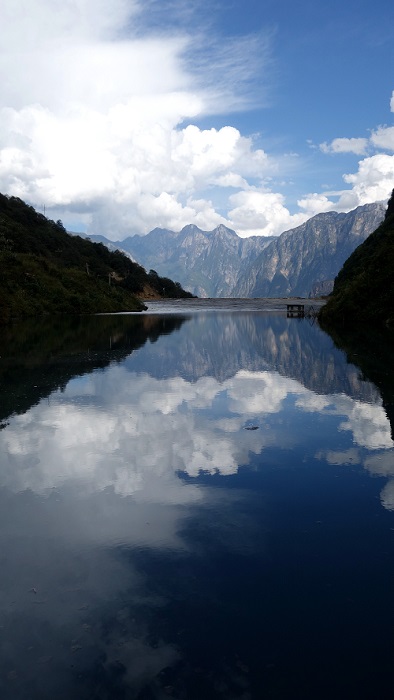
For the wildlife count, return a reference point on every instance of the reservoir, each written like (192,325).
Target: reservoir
(197,503)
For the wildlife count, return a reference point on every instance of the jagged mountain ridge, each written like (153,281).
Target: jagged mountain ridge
(218,263)
(210,261)
(305,259)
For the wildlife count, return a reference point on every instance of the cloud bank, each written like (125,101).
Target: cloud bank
(97,122)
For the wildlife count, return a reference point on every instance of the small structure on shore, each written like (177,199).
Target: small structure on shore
(295,310)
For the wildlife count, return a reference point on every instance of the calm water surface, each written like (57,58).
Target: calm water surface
(195,505)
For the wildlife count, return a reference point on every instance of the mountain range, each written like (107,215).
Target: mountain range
(300,262)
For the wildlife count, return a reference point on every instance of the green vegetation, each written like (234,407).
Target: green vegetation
(364,288)
(45,270)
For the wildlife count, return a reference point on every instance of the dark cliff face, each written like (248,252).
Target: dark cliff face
(311,255)
(390,206)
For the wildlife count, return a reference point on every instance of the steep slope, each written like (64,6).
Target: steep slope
(112,246)
(45,270)
(364,289)
(308,257)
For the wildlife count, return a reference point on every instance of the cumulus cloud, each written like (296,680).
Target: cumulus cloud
(345,145)
(256,212)
(91,121)
(97,106)
(383,137)
(374,179)
(315,203)
(373,182)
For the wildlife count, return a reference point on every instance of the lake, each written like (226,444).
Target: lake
(196,502)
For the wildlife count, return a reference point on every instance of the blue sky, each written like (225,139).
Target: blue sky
(125,115)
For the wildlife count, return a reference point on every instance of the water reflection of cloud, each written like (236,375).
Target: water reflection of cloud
(134,432)
(370,427)
(378,464)
(64,583)
(367,422)
(387,495)
(382,464)
(259,392)
(338,457)
(114,434)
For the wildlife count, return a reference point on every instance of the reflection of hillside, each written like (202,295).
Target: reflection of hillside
(373,354)
(41,355)
(219,345)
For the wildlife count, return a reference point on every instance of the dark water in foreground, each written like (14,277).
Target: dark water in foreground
(192,506)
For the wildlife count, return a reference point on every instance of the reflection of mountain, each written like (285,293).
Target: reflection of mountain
(40,356)
(221,345)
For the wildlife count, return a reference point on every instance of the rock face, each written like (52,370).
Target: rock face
(301,262)
(307,259)
(210,261)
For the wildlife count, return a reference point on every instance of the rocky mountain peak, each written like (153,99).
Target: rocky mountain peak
(219,263)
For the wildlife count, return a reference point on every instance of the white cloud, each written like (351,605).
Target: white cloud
(383,137)
(96,108)
(257,212)
(373,182)
(315,203)
(346,145)
(90,120)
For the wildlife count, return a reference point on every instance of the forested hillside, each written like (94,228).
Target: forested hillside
(44,270)
(364,288)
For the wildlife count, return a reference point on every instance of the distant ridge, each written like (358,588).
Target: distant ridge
(300,262)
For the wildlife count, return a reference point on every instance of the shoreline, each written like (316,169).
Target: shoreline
(263,304)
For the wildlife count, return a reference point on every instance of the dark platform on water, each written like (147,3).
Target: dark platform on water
(295,310)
